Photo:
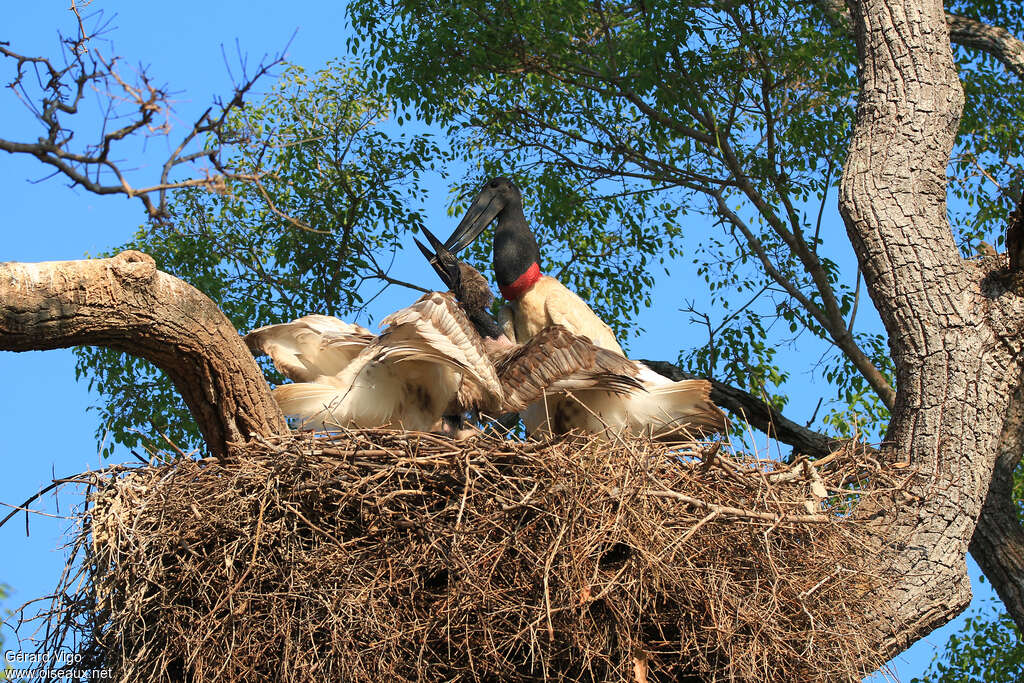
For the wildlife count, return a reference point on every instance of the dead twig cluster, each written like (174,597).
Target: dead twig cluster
(55,91)
(377,555)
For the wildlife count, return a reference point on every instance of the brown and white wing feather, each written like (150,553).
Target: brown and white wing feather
(374,391)
(676,408)
(436,328)
(556,360)
(310,347)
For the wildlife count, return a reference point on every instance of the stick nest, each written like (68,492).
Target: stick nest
(390,556)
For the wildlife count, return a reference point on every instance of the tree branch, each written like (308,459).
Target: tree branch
(838,331)
(998,541)
(760,414)
(126,304)
(994,40)
(964,31)
(56,97)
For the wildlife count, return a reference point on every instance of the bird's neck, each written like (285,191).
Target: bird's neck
(521,284)
(486,326)
(516,255)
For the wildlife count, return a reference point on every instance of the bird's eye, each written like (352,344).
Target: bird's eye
(494,183)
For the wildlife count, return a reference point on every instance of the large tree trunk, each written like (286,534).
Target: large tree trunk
(125,303)
(955,370)
(998,542)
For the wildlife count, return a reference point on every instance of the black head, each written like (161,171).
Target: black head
(515,247)
(498,197)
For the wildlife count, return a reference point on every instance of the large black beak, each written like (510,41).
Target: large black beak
(444,262)
(485,208)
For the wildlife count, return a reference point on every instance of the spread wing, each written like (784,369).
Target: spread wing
(310,347)
(556,360)
(436,329)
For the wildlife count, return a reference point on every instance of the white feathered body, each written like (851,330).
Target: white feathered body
(406,378)
(549,302)
(661,409)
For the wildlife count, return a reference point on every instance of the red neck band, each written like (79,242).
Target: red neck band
(523,282)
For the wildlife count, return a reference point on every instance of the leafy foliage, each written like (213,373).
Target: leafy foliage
(989,649)
(645,133)
(313,234)
(687,113)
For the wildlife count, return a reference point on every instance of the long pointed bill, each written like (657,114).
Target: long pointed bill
(433,261)
(445,264)
(485,208)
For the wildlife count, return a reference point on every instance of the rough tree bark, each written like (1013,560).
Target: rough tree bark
(965,31)
(125,303)
(998,541)
(955,360)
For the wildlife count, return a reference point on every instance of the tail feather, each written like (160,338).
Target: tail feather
(312,404)
(685,404)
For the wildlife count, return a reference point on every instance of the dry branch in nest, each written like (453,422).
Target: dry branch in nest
(372,556)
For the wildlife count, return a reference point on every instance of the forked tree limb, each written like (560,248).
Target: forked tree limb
(994,40)
(125,303)
(998,541)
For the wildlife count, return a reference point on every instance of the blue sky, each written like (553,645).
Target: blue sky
(43,417)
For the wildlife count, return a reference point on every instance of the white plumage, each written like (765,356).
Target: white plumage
(537,302)
(659,408)
(406,378)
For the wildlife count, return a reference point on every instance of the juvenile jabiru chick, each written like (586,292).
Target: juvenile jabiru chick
(405,378)
(553,361)
(649,404)
(535,301)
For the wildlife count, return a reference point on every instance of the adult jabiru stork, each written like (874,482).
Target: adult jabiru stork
(535,301)
(651,404)
(428,357)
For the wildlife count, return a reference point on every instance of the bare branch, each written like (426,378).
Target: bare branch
(140,107)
